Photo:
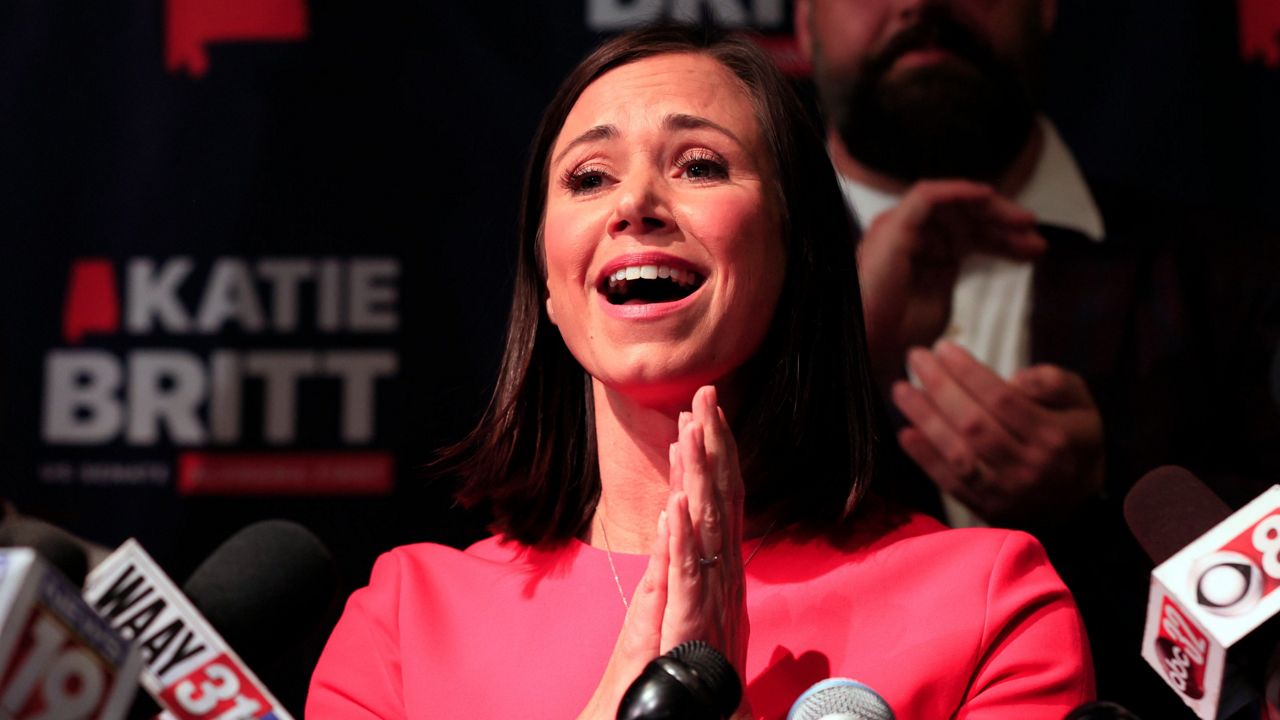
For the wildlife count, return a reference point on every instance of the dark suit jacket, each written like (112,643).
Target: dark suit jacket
(1173,322)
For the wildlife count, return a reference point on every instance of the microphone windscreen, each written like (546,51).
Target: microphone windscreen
(693,681)
(714,672)
(840,698)
(1168,508)
(265,589)
(54,545)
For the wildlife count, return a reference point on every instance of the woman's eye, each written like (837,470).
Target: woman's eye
(703,165)
(589,181)
(584,180)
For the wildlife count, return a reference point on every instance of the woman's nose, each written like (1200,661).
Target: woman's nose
(641,207)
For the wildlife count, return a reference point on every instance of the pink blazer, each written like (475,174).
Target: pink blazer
(942,623)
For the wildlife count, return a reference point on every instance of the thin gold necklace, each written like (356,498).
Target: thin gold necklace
(617,582)
(608,553)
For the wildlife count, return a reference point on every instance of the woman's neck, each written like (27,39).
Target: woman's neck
(632,439)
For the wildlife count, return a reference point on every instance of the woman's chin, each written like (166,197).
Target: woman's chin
(671,392)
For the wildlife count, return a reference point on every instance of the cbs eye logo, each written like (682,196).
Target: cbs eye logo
(1227,583)
(1231,583)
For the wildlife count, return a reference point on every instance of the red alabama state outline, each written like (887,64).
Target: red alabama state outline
(191,25)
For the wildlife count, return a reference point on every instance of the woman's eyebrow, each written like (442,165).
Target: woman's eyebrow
(675,121)
(599,132)
(684,121)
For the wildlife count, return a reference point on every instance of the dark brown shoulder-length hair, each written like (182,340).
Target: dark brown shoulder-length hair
(806,423)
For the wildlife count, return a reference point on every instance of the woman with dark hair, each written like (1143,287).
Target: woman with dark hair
(685,266)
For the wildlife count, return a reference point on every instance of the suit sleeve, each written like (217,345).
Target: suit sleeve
(1034,659)
(358,676)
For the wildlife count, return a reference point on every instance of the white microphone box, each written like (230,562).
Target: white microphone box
(58,659)
(1207,605)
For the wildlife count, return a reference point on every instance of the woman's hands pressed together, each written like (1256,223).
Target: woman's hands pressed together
(705,581)
(693,587)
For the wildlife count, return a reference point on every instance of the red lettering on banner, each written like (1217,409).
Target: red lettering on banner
(191,25)
(1260,31)
(355,473)
(92,303)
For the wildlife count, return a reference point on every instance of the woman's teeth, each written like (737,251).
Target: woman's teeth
(653,272)
(640,284)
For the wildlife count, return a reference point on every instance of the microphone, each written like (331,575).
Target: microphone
(249,585)
(840,699)
(1212,609)
(58,659)
(1168,508)
(54,545)
(265,589)
(1101,711)
(691,682)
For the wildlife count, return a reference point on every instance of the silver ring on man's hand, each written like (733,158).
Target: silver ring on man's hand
(708,562)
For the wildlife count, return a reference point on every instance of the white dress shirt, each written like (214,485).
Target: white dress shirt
(991,304)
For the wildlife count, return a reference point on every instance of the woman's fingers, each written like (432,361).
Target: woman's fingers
(642,628)
(685,616)
(644,613)
(707,411)
(675,475)
(722,459)
(705,511)
(705,527)
(718,521)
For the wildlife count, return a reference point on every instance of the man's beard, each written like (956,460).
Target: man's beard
(962,120)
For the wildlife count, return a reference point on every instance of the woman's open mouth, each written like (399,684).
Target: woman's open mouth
(646,284)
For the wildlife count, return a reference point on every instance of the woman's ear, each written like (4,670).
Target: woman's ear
(551,311)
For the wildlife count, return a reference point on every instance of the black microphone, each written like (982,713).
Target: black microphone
(692,682)
(54,545)
(265,589)
(1168,508)
(1100,711)
(840,699)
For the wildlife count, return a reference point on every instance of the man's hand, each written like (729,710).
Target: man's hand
(1019,452)
(909,257)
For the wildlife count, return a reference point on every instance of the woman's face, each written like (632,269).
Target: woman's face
(662,240)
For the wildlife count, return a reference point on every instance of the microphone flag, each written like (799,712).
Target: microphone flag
(58,659)
(1207,598)
(189,669)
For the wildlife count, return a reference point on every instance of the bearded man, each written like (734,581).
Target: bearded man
(1046,340)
